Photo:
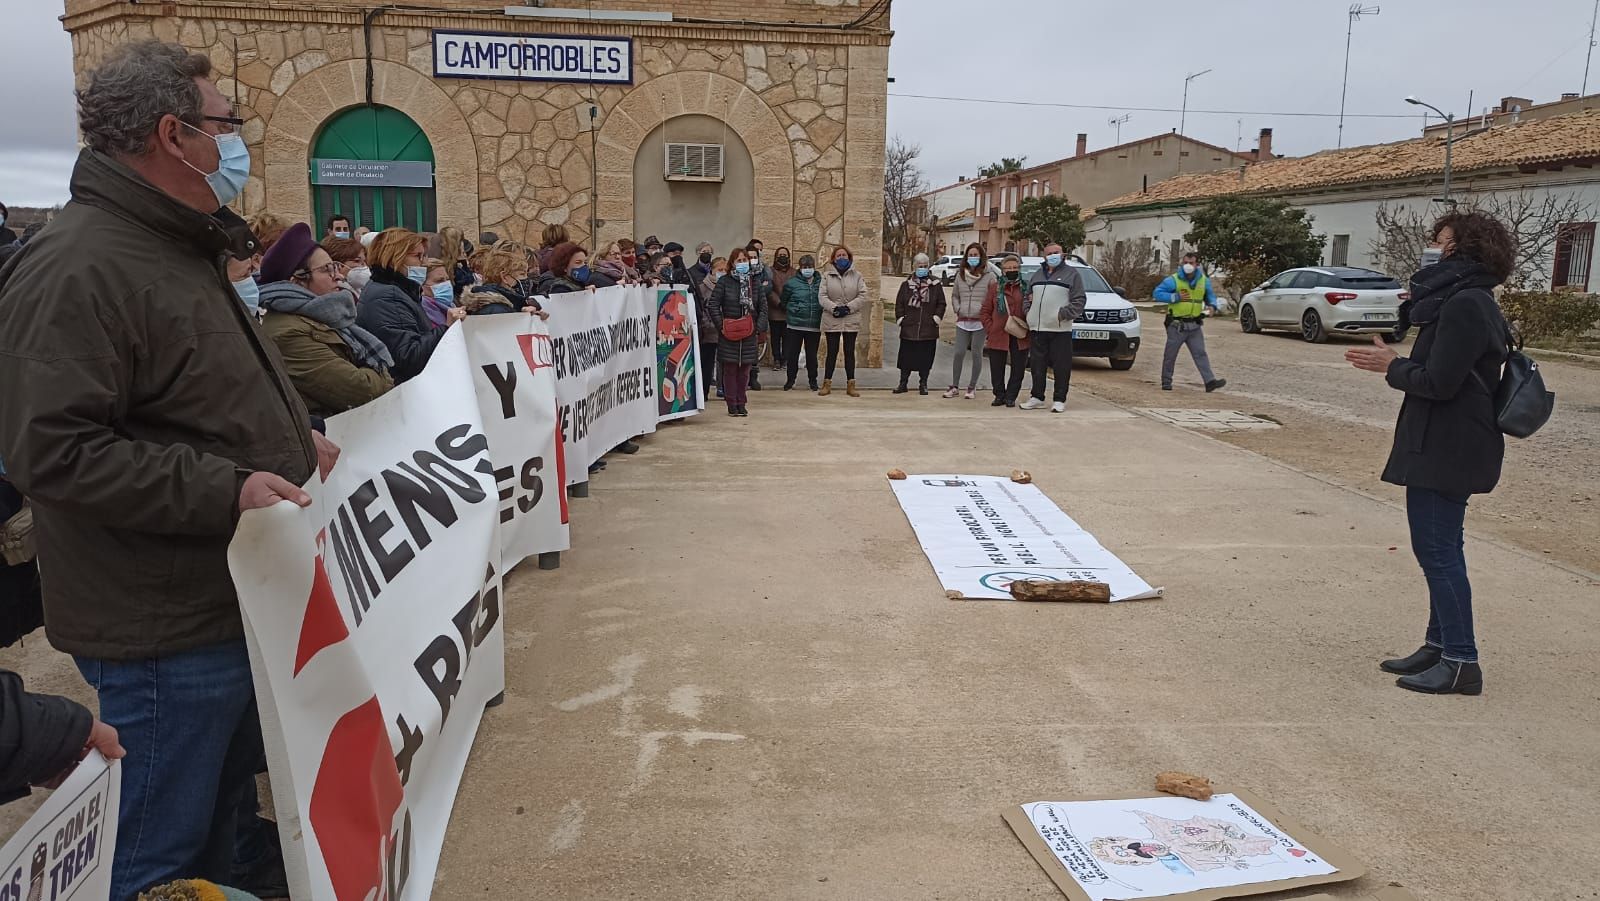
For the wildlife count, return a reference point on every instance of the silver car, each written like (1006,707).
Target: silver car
(1318,301)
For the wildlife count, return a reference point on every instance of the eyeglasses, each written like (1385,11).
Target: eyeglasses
(331,269)
(233,122)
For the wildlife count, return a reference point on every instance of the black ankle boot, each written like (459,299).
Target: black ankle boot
(923,388)
(1420,662)
(901,388)
(1447,677)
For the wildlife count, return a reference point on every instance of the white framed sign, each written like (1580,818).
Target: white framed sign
(532,57)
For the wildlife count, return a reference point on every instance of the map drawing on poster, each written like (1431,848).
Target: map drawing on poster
(1159,847)
(64,850)
(981,533)
(677,354)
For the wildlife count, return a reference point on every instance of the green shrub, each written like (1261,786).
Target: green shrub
(1543,316)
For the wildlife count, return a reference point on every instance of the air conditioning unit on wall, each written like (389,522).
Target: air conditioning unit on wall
(694,162)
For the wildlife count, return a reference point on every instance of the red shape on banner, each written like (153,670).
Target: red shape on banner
(354,802)
(561,463)
(538,350)
(322,625)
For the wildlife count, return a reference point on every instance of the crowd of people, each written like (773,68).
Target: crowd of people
(179,376)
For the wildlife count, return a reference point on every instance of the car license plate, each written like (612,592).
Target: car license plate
(1096,335)
(1378,317)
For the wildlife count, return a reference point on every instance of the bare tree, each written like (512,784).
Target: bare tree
(1128,264)
(1402,237)
(902,181)
(1537,224)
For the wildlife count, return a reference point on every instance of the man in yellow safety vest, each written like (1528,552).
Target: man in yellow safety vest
(1187,293)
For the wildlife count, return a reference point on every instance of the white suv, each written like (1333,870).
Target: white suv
(945,268)
(1109,326)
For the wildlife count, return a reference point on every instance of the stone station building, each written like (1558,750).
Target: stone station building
(691,120)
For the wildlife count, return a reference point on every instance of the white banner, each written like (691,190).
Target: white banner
(376,635)
(64,851)
(981,533)
(604,345)
(513,363)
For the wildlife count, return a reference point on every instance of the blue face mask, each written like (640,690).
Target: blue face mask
(418,274)
(742,267)
(807,272)
(842,264)
(445,293)
(974,261)
(233,167)
(249,292)
(581,274)
(342,233)
(922,272)
(1053,260)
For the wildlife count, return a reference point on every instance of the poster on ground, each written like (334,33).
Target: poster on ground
(679,387)
(512,363)
(603,345)
(1125,849)
(64,851)
(377,635)
(981,533)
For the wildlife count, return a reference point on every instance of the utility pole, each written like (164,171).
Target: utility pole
(1587,57)
(1356,12)
(1117,122)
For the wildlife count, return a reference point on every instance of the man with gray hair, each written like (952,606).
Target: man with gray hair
(143,413)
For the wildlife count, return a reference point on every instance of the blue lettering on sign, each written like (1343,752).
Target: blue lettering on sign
(533,57)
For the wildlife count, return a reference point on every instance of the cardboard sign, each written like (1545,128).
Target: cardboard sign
(64,851)
(1158,846)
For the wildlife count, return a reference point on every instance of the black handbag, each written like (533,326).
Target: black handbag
(1522,404)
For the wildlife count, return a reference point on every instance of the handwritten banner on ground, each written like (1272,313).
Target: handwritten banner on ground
(64,851)
(1122,849)
(376,634)
(679,389)
(604,354)
(981,533)
(513,361)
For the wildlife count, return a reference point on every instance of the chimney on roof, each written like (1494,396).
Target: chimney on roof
(1083,145)
(960,179)
(1508,104)
(1265,153)
(1570,96)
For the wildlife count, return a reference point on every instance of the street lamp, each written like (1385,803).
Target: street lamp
(1356,12)
(1449,139)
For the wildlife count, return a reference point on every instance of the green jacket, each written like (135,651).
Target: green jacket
(321,365)
(139,395)
(800,301)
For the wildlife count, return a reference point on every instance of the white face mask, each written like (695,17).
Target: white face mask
(1188,269)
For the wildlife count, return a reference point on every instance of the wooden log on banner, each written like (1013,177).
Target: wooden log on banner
(1085,592)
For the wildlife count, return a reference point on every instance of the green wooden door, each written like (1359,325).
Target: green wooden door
(374,133)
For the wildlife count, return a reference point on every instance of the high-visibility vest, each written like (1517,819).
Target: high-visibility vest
(1188,300)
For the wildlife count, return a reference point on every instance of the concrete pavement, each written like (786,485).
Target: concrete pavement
(745,681)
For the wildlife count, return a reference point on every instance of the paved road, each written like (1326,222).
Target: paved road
(1338,422)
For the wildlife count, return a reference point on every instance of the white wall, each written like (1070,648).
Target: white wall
(950,201)
(1354,214)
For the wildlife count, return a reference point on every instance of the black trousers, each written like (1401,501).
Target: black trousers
(710,366)
(794,341)
(780,347)
(1007,388)
(849,353)
(1051,350)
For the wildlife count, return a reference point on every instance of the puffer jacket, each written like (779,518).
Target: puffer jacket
(139,395)
(321,365)
(1004,301)
(726,304)
(967,295)
(391,309)
(847,290)
(919,322)
(800,302)
(1058,299)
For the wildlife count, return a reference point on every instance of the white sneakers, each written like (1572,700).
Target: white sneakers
(1058,408)
(1032,403)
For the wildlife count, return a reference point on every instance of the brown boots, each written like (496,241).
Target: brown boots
(826,389)
(850,388)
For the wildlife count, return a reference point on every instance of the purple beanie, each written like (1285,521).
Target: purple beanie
(289,254)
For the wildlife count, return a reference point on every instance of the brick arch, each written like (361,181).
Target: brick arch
(655,101)
(326,91)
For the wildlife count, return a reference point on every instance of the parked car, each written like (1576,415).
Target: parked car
(1109,326)
(945,269)
(1319,301)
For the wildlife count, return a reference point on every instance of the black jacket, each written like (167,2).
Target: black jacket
(391,309)
(726,304)
(1446,439)
(40,736)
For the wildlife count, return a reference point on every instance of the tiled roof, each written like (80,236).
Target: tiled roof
(1556,140)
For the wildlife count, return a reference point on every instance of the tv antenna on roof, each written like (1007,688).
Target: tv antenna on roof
(1117,122)
(1355,13)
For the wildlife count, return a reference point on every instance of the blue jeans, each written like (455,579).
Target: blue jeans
(1437,538)
(193,736)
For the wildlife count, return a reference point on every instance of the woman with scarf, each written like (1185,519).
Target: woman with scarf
(334,364)
(740,315)
(918,310)
(1447,443)
(438,292)
(391,304)
(844,303)
(974,284)
(504,268)
(709,338)
(1006,299)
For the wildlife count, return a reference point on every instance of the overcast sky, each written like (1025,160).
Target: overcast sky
(1270,57)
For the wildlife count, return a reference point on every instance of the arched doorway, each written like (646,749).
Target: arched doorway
(374,164)
(693,181)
